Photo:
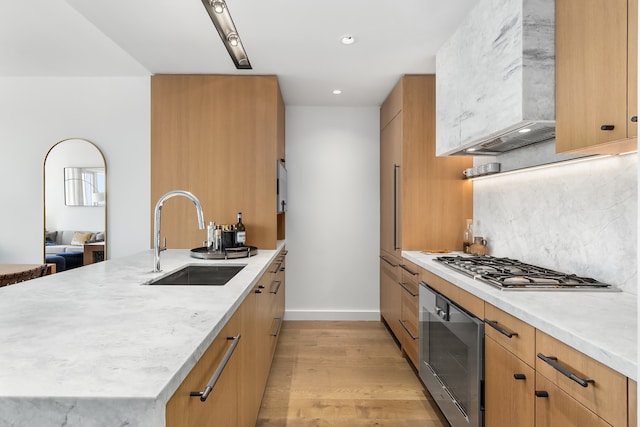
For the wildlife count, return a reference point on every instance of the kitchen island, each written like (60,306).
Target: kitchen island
(602,325)
(97,346)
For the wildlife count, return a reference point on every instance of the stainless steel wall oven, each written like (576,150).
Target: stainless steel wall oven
(451,358)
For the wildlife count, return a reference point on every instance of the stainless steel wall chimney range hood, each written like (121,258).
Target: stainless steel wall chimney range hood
(495,79)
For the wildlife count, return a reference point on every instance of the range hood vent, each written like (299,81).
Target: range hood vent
(527,134)
(495,77)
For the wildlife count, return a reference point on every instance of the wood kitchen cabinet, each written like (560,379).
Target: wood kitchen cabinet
(222,405)
(236,398)
(604,392)
(508,386)
(409,316)
(218,136)
(423,199)
(509,369)
(555,408)
(390,293)
(596,76)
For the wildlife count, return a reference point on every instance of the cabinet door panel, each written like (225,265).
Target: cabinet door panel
(591,72)
(558,409)
(508,401)
(390,187)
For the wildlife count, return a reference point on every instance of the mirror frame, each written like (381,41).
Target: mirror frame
(44,194)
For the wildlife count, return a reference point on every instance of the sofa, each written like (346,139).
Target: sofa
(69,240)
(65,248)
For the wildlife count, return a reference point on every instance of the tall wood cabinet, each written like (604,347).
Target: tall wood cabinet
(596,76)
(423,199)
(218,136)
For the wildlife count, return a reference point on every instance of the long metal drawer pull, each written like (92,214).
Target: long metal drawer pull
(494,325)
(276,269)
(413,337)
(277,330)
(607,127)
(520,376)
(218,372)
(541,393)
(553,361)
(277,287)
(404,286)
(388,262)
(395,207)
(405,268)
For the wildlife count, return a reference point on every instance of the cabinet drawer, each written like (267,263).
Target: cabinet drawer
(558,409)
(410,273)
(606,395)
(513,334)
(464,299)
(221,406)
(410,312)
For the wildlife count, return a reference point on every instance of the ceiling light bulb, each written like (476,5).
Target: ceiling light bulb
(347,39)
(337,91)
(217,5)
(233,39)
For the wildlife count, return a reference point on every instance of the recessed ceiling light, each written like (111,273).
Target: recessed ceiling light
(347,39)
(525,130)
(337,91)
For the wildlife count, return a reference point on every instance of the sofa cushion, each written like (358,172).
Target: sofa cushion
(80,238)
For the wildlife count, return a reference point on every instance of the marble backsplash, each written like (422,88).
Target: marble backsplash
(574,217)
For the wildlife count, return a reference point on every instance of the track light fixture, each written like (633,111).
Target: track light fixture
(219,13)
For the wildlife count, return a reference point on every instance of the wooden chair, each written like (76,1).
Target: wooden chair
(12,278)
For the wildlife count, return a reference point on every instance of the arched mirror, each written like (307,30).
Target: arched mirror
(75,204)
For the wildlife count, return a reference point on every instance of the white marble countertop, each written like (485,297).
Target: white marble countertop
(95,346)
(602,325)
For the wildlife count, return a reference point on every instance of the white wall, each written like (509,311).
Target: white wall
(35,113)
(333,228)
(577,218)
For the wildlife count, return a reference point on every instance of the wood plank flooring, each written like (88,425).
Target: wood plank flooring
(347,374)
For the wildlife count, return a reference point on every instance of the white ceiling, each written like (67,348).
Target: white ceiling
(298,40)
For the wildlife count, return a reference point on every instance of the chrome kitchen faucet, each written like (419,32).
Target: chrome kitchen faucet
(156,223)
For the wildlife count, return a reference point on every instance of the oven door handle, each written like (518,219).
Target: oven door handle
(494,325)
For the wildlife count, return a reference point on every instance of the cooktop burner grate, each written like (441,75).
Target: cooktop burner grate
(511,274)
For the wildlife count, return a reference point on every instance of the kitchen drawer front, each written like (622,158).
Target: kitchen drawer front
(410,273)
(409,326)
(558,409)
(221,406)
(464,299)
(513,334)
(606,396)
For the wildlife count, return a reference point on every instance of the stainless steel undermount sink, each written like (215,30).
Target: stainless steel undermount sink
(199,275)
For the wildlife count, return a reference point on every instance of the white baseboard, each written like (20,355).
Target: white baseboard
(331,315)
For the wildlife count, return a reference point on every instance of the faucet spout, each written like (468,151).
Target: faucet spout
(156,222)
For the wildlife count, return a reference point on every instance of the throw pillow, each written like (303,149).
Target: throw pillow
(50,236)
(80,238)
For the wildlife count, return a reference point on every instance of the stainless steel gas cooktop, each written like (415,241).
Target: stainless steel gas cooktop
(512,275)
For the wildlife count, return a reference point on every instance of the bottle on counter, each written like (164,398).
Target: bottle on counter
(467,239)
(217,238)
(211,234)
(241,234)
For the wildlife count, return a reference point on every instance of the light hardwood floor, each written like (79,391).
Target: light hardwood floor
(347,374)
